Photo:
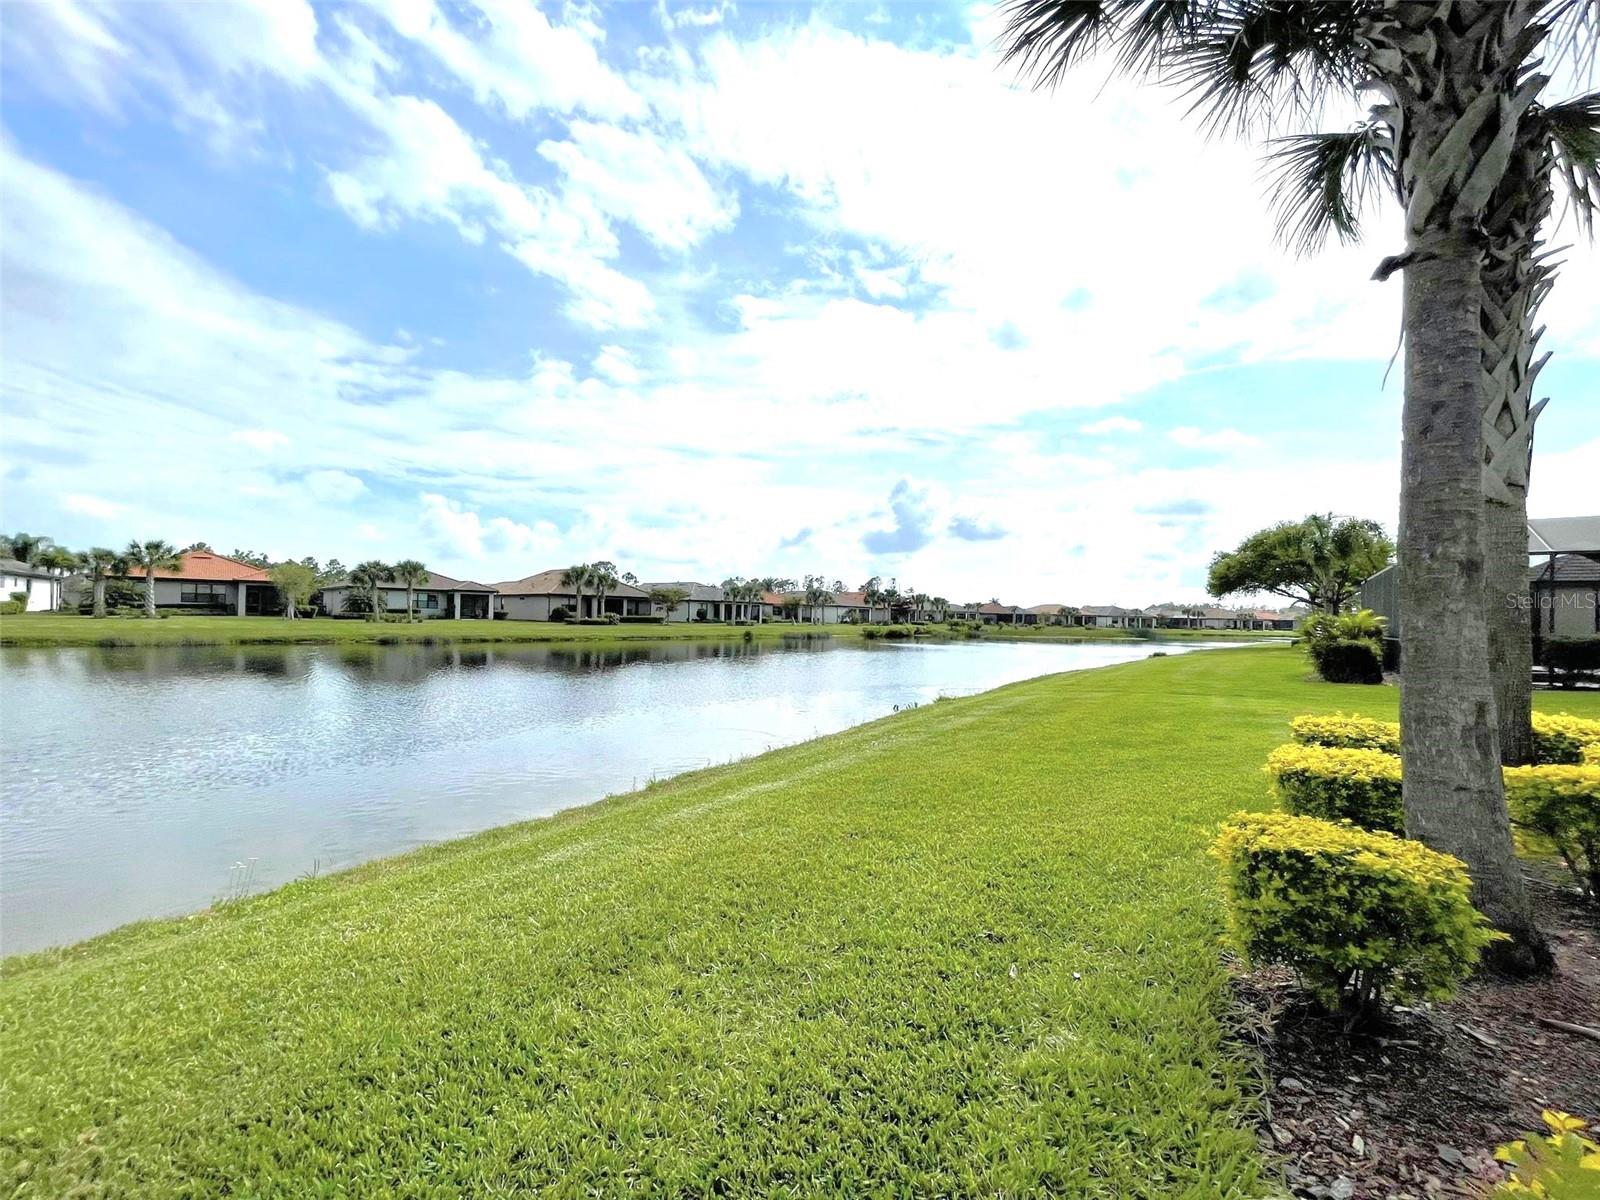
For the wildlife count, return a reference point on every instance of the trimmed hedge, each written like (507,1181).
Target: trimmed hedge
(638,620)
(1354,732)
(1562,737)
(10,608)
(1571,659)
(1349,660)
(1339,784)
(1562,805)
(1361,917)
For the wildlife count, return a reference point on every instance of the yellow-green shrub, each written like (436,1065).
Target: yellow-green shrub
(1591,756)
(1562,737)
(1361,917)
(1561,804)
(1339,784)
(1354,732)
(1559,1165)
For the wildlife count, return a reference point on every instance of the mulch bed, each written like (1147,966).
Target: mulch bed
(1415,1108)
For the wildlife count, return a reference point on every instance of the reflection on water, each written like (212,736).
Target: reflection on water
(137,777)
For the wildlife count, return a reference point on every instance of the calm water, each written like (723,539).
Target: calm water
(145,782)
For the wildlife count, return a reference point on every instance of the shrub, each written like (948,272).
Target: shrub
(10,608)
(1591,756)
(1361,917)
(608,619)
(1349,660)
(1337,784)
(1559,1165)
(1562,737)
(21,597)
(1562,805)
(643,620)
(1571,660)
(1354,732)
(560,613)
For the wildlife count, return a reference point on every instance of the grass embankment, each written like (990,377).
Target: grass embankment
(52,629)
(967,950)
(56,629)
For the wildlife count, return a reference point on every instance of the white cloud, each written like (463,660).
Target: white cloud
(458,530)
(1216,439)
(635,177)
(91,506)
(332,487)
(617,366)
(1111,425)
(265,440)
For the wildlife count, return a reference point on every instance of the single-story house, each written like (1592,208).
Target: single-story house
(1564,598)
(440,596)
(706,602)
(42,587)
(1111,616)
(1269,618)
(995,613)
(1223,618)
(846,608)
(208,582)
(1046,614)
(533,597)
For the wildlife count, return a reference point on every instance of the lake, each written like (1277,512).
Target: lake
(155,781)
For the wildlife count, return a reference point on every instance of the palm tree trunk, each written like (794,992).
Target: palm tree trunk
(1453,794)
(411,605)
(150,592)
(100,596)
(1510,623)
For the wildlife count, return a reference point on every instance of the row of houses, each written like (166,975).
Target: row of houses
(209,582)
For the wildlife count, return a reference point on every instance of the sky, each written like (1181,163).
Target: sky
(703,290)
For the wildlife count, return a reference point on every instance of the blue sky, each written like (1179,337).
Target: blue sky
(704,290)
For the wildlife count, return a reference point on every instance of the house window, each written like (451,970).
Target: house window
(429,600)
(203,593)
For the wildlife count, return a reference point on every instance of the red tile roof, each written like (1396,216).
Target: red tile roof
(206,566)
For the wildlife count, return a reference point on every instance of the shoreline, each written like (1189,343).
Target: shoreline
(47,631)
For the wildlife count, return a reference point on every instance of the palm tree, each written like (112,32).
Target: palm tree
(872,593)
(58,560)
(817,595)
(24,547)
(602,577)
(1459,80)
(414,575)
(151,557)
(1325,181)
(577,578)
(366,580)
(98,563)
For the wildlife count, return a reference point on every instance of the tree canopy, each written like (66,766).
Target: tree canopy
(1319,561)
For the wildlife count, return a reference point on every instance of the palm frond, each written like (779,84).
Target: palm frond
(1241,61)
(1323,182)
(1573,130)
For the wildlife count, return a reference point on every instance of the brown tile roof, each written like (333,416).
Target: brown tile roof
(206,566)
(993,608)
(1046,610)
(548,583)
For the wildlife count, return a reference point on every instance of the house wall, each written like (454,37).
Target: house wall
(531,608)
(170,592)
(1568,609)
(41,592)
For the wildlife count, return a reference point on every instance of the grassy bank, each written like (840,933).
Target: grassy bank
(967,950)
(53,629)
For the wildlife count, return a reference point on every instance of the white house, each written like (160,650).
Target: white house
(40,585)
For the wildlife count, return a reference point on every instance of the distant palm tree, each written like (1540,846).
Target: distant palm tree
(151,557)
(577,578)
(603,578)
(98,563)
(871,593)
(58,560)
(366,581)
(817,595)
(414,575)
(24,547)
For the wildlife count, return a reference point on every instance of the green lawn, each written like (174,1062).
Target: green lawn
(55,629)
(968,950)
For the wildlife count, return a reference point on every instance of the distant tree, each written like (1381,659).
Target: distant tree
(366,581)
(253,557)
(939,608)
(24,547)
(295,583)
(57,560)
(1319,561)
(817,595)
(871,595)
(97,563)
(603,578)
(414,575)
(668,597)
(577,578)
(151,557)
(629,578)
(194,546)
